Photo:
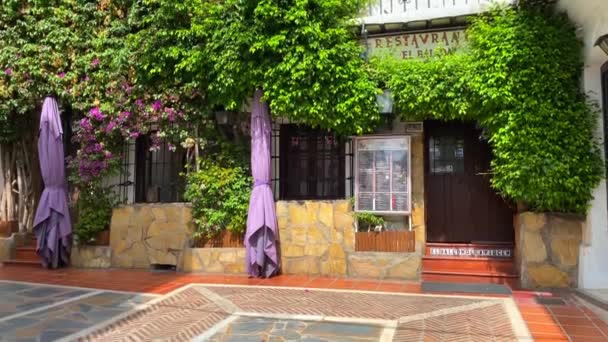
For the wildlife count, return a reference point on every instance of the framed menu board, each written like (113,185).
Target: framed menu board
(382,174)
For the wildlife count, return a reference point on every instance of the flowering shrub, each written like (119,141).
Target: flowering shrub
(219,193)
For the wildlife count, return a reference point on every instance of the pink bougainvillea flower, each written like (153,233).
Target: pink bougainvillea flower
(61,74)
(96,114)
(157,105)
(95,62)
(8,71)
(124,116)
(110,127)
(134,134)
(139,103)
(86,78)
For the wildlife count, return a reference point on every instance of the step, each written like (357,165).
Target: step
(26,253)
(22,263)
(478,265)
(499,250)
(512,281)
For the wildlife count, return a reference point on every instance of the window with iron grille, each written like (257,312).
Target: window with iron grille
(312,164)
(158,173)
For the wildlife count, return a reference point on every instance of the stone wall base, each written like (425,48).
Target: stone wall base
(213,260)
(91,256)
(145,234)
(547,249)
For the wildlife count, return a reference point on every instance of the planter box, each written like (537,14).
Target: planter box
(101,239)
(224,239)
(386,241)
(7,228)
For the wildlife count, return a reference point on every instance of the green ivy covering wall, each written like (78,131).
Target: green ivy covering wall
(520,79)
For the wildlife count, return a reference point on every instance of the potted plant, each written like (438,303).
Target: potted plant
(93,215)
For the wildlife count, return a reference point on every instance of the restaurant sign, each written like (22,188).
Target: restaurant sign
(416,45)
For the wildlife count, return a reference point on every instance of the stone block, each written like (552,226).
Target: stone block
(547,276)
(326,214)
(281,208)
(298,235)
(363,268)
(299,216)
(304,266)
(342,207)
(318,235)
(290,250)
(121,216)
(316,250)
(533,221)
(336,251)
(566,251)
(343,221)
(534,247)
(407,269)
(228,256)
(235,268)
(349,238)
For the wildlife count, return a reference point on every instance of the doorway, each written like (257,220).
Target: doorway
(461,205)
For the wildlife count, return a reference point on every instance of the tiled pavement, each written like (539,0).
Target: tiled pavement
(238,313)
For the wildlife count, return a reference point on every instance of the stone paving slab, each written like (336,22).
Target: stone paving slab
(20,297)
(34,312)
(275,330)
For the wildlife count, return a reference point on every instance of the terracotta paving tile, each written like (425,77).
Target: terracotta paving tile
(588,339)
(366,285)
(544,318)
(321,283)
(567,311)
(534,309)
(576,321)
(545,328)
(550,337)
(343,284)
(390,287)
(577,330)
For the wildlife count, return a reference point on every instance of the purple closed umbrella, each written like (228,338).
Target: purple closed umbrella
(52,223)
(261,237)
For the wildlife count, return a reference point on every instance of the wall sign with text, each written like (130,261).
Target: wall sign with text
(418,44)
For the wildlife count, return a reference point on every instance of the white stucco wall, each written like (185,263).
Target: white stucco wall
(592,18)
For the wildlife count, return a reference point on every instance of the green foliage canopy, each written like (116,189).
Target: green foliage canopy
(303,53)
(520,79)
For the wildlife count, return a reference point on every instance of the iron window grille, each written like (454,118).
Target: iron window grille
(310,164)
(159,173)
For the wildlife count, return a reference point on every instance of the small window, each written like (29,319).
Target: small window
(383,175)
(312,164)
(159,173)
(446,154)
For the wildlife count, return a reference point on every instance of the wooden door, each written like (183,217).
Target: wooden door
(461,206)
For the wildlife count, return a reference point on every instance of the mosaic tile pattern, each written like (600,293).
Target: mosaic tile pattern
(69,317)
(283,314)
(273,330)
(179,317)
(335,304)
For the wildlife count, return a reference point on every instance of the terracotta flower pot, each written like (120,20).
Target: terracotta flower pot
(7,228)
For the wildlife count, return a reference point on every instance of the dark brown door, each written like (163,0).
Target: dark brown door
(461,206)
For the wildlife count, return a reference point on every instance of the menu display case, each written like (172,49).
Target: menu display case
(382,175)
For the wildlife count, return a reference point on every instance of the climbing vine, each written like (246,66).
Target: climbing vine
(520,80)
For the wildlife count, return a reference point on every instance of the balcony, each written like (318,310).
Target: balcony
(402,14)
